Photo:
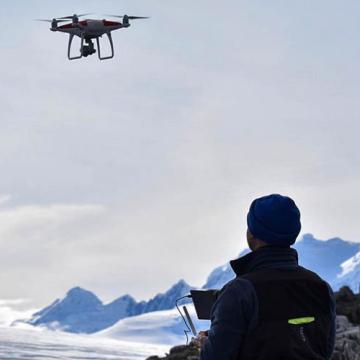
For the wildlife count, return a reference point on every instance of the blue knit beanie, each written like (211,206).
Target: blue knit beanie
(274,219)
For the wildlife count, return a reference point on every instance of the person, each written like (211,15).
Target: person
(274,308)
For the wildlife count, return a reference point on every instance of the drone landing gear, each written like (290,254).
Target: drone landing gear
(71,38)
(89,49)
(111,45)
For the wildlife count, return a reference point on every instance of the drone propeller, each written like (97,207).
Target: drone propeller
(129,17)
(72,16)
(50,21)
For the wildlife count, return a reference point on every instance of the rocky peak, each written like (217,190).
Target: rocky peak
(78,296)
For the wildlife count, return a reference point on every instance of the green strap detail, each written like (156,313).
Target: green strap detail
(300,321)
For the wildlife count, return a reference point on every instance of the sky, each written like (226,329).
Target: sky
(127,175)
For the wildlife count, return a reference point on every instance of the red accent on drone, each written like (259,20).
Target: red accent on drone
(66,26)
(110,23)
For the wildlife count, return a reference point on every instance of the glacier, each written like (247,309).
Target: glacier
(158,327)
(25,343)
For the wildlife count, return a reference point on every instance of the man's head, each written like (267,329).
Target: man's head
(273,220)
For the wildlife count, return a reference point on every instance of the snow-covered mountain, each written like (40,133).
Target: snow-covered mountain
(221,275)
(324,257)
(164,301)
(80,311)
(350,274)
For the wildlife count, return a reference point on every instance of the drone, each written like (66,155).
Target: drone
(90,29)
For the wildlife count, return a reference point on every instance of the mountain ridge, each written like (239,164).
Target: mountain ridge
(81,311)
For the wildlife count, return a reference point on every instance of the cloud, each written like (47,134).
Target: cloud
(9,311)
(10,302)
(4,199)
(37,240)
(32,220)
(114,171)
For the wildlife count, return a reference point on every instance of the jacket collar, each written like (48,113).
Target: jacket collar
(265,257)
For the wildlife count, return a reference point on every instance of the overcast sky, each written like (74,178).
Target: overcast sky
(126,175)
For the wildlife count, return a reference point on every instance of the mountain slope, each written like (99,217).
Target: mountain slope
(221,275)
(156,328)
(80,311)
(167,300)
(350,274)
(323,257)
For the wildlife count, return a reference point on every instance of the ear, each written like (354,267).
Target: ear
(253,242)
(250,239)
(249,235)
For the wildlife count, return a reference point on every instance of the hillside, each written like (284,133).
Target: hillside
(81,311)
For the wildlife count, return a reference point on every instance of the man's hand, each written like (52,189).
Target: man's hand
(200,339)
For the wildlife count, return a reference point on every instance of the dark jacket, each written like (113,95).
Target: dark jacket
(236,311)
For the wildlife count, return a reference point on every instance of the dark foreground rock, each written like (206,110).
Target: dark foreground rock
(181,352)
(347,345)
(348,304)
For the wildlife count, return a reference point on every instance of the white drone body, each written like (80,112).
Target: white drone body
(90,29)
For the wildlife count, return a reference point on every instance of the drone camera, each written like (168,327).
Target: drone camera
(88,49)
